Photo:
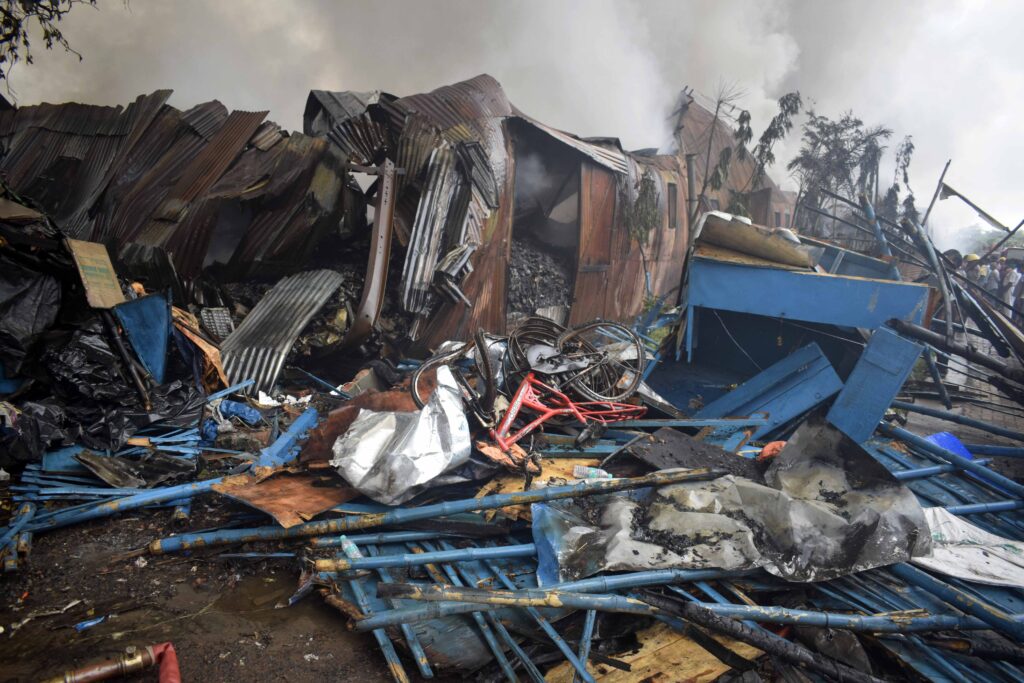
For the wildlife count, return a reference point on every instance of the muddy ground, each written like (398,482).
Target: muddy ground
(220,614)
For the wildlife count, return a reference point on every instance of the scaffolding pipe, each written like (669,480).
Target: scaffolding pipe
(989,476)
(403,515)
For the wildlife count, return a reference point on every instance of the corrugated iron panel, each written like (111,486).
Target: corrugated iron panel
(266,136)
(326,109)
(206,118)
(427,236)
(612,159)
(360,139)
(215,158)
(258,348)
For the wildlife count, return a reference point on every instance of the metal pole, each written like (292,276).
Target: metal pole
(403,515)
(988,613)
(889,623)
(924,472)
(418,653)
(958,419)
(919,333)
(416,559)
(935,195)
(1001,451)
(992,478)
(598,584)
(980,508)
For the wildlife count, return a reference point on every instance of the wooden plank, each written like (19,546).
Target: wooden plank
(97,272)
(664,657)
(594,269)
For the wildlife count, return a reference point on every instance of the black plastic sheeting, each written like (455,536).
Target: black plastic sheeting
(92,403)
(29,302)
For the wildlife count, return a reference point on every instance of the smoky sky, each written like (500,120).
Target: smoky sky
(946,73)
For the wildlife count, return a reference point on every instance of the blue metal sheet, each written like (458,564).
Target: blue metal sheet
(800,295)
(784,390)
(882,369)
(147,323)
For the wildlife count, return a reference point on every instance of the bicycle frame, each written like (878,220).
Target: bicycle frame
(530,395)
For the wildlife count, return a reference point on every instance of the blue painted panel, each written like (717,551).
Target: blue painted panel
(784,390)
(147,323)
(799,295)
(882,369)
(63,460)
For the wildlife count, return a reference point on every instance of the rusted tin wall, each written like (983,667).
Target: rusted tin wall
(610,281)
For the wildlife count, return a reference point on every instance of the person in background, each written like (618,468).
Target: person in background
(1008,285)
(992,281)
(972,268)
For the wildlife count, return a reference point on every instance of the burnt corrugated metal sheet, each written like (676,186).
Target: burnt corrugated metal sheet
(326,109)
(258,348)
(209,164)
(610,158)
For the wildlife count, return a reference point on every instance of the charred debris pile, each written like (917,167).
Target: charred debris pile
(415,354)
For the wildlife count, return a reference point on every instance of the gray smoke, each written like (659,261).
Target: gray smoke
(944,73)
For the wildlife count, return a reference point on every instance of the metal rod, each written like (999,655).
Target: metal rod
(883,623)
(382,538)
(937,340)
(924,472)
(278,452)
(383,641)
(585,637)
(598,584)
(869,213)
(933,370)
(988,613)
(416,559)
(545,626)
(979,508)
(403,515)
(531,669)
(484,627)
(991,477)
(958,419)
(415,647)
(1001,451)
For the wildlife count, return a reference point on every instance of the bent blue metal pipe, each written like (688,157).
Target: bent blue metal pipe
(478,617)
(21,518)
(416,559)
(415,647)
(978,508)
(991,477)
(888,623)
(1005,623)
(958,419)
(275,453)
(403,515)
(383,641)
(549,630)
(923,472)
(597,584)
(382,538)
(585,638)
(531,669)
(876,227)
(1002,451)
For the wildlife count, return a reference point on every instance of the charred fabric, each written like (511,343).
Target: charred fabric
(425,344)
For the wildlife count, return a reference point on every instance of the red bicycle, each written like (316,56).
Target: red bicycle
(532,394)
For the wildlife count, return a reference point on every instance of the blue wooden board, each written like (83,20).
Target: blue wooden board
(147,323)
(784,390)
(801,295)
(882,369)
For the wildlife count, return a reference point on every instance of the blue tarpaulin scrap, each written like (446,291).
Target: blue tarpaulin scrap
(147,323)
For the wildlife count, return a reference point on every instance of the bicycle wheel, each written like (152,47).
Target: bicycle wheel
(436,361)
(615,359)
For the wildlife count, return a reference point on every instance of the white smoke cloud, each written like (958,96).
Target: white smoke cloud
(945,73)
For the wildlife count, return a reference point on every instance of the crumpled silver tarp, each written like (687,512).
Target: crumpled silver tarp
(392,456)
(826,508)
